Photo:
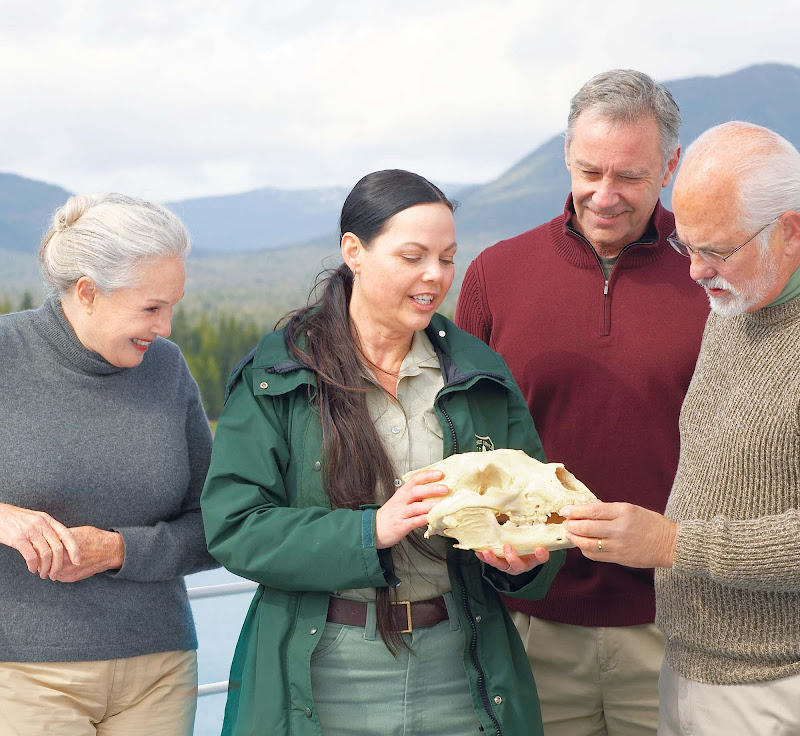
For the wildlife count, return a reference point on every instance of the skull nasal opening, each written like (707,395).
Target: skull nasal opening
(491,476)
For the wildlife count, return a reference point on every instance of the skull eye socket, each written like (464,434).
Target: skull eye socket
(567,479)
(502,518)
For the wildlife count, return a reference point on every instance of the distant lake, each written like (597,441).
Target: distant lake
(218,621)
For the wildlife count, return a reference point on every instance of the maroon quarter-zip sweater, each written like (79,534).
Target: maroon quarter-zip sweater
(604,366)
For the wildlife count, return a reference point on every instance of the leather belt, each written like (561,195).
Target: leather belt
(406,616)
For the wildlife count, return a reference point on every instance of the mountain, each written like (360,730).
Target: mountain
(263,218)
(267,218)
(236,261)
(534,190)
(26,207)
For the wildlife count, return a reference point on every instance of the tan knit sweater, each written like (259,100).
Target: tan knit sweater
(730,606)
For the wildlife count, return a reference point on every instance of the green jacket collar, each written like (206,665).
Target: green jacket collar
(275,371)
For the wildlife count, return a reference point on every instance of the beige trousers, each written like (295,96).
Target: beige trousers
(150,695)
(594,681)
(690,708)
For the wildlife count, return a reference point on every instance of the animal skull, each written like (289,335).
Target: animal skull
(504,497)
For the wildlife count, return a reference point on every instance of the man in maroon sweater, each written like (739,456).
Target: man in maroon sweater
(600,324)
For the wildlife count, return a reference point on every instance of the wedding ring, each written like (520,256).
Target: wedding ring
(599,545)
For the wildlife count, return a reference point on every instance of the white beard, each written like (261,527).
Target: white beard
(738,301)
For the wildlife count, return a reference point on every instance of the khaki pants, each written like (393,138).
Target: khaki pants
(690,708)
(151,695)
(594,681)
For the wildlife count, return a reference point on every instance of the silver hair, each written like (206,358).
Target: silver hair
(107,237)
(625,95)
(764,165)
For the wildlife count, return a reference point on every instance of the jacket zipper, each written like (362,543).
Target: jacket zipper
(444,411)
(473,645)
(606,309)
(449,424)
(473,656)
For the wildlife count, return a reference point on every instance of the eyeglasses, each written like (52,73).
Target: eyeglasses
(709,256)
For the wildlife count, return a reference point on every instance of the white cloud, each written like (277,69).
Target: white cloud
(188,98)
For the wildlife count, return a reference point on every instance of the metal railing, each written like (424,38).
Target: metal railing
(216,591)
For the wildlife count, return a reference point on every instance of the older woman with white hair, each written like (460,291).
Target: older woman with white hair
(104,446)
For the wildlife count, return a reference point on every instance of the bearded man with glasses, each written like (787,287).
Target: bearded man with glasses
(728,547)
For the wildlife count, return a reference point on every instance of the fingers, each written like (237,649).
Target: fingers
(512,563)
(595,529)
(490,558)
(46,543)
(420,508)
(593,511)
(539,557)
(29,554)
(424,476)
(427,490)
(524,563)
(68,540)
(40,539)
(589,546)
(423,485)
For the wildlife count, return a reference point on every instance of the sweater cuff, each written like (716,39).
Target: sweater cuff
(695,547)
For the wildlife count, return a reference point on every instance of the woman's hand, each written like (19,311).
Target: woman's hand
(407,510)
(621,532)
(39,538)
(514,564)
(100,550)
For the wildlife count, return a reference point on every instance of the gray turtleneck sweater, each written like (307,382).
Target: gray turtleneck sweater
(116,448)
(730,605)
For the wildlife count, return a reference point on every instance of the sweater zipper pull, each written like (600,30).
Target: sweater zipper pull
(605,288)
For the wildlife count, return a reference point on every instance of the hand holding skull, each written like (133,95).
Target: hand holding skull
(407,508)
(629,535)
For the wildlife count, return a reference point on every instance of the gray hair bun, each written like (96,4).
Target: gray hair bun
(107,237)
(71,212)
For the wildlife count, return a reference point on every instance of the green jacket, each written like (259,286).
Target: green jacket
(268,518)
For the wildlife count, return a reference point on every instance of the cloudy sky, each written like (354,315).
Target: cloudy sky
(181,98)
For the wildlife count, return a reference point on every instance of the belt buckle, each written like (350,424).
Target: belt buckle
(407,604)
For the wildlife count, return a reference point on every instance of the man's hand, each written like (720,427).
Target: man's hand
(621,532)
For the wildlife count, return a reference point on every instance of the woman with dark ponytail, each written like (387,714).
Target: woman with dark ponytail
(360,625)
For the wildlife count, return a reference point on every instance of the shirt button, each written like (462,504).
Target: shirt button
(478,619)
(395,430)
(263,384)
(313,631)
(398,482)
(308,712)
(318,465)
(442,333)
(498,699)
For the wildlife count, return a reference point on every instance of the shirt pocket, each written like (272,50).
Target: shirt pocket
(431,422)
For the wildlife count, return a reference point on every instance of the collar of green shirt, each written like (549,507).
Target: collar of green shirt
(790,291)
